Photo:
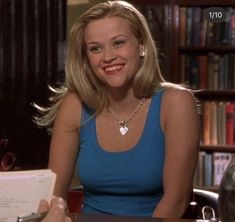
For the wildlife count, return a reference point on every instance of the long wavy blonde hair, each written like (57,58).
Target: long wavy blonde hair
(80,78)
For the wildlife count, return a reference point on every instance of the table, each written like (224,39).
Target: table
(110,218)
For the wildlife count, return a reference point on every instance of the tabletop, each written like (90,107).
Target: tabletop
(110,218)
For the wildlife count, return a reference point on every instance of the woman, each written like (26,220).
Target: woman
(135,137)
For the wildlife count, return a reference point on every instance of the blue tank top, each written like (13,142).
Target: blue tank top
(123,183)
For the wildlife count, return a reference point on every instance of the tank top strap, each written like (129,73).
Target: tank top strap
(155,108)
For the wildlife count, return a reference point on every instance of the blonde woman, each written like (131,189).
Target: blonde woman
(132,136)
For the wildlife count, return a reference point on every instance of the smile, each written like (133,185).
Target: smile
(114,69)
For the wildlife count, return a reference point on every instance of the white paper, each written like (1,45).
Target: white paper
(21,191)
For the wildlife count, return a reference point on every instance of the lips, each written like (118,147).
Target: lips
(113,69)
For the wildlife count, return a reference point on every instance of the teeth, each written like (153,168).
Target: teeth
(113,68)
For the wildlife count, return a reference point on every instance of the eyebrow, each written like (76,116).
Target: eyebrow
(113,38)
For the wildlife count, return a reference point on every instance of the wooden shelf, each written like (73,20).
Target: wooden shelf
(218,148)
(226,95)
(206,49)
(205,3)
(187,2)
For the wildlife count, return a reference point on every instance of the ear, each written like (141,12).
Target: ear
(141,47)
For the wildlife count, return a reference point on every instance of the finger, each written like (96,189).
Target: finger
(43,206)
(57,211)
(68,219)
(58,200)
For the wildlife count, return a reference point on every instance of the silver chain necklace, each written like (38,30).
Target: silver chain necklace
(124,123)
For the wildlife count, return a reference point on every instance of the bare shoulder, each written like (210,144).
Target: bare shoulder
(69,112)
(179,106)
(178,95)
(179,103)
(71,100)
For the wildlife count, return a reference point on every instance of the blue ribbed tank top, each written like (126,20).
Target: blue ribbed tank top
(123,183)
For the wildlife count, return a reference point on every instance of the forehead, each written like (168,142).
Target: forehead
(107,27)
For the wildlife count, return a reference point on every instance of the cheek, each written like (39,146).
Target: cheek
(94,61)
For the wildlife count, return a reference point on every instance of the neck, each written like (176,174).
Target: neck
(123,102)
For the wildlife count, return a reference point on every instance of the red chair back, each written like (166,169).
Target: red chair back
(75,199)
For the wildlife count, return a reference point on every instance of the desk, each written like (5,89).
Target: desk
(109,218)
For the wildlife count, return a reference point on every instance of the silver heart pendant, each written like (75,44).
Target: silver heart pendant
(123,130)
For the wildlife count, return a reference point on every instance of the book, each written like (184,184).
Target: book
(196,25)
(213,123)
(21,192)
(201,162)
(221,126)
(203,63)
(189,18)
(230,123)
(206,122)
(208,169)
(182,25)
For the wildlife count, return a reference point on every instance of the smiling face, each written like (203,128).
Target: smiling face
(113,51)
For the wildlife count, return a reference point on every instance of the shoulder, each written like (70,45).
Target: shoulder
(178,104)
(71,100)
(69,111)
(177,95)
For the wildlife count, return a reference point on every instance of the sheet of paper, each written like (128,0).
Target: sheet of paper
(21,191)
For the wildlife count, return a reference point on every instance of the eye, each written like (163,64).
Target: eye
(119,43)
(94,49)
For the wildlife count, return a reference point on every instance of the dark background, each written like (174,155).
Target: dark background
(32,49)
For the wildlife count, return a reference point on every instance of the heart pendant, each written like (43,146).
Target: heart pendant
(123,130)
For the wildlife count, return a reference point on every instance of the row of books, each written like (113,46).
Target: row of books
(210,168)
(197,30)
(211,71)
(218,123)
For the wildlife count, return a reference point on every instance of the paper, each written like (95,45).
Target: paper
(21,191)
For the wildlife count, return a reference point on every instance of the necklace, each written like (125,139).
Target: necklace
(124,123)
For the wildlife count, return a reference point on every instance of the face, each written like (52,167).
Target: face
(113,51)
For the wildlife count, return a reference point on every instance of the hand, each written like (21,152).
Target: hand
(56,211)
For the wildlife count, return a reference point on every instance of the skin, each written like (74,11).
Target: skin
(113,53)
(57,210)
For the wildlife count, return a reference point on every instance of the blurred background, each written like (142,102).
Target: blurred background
(33,36)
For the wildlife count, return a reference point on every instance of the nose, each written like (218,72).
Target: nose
(109,55)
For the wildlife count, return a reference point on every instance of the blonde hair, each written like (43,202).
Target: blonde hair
(79,75)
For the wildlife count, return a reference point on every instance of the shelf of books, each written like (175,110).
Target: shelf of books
(207,64)
(197,40)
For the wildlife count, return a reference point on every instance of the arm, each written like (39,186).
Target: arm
(64,143)
(180,123)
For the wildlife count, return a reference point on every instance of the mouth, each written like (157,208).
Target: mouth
(113,69)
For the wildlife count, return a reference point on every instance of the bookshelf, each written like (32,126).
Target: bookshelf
(201,54)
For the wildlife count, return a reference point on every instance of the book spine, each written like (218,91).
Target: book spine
(206,123)
(213,123)
(230,123)
(221,126)
(208,169)
(201,161)
(203,71)
(196,25)
(182,25)
(189,26)
(203,30)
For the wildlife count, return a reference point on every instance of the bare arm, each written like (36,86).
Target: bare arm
(180,123)
(64,143)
